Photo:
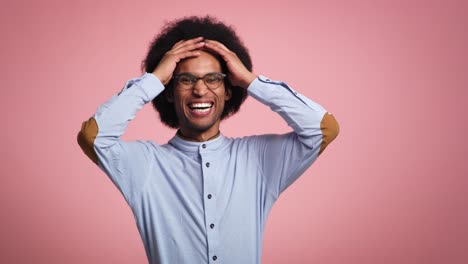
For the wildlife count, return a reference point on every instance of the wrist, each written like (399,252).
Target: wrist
(248,80)
(158,75)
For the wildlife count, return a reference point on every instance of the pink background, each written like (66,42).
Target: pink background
(391,189)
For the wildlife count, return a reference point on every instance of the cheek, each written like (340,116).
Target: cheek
(178,104)
(179,98)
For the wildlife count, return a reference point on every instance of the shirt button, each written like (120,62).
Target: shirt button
(207,164)
(212,226)
(204,146)
(209,196)
(215,257)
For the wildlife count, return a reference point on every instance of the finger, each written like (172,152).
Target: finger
(177,44)
(223,52)
(186,54)
(189,47)
(217,44)
(183,43)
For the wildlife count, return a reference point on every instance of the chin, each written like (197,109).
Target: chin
(200,127)
(201,123)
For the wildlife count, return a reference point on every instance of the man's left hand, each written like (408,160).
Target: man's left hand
(238,74)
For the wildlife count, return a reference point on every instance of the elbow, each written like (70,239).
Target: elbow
(86,137)
(330,130)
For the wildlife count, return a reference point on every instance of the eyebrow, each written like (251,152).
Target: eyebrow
(189,73)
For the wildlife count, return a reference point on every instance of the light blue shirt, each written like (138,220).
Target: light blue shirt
(206,202)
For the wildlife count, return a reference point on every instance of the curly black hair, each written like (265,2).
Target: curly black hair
(187,28)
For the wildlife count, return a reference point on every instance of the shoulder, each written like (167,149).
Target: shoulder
(258,141)
(145,147)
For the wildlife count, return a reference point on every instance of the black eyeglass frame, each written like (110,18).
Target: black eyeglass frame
(195,79)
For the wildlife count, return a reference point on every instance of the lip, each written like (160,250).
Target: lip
(200,101)
(199,114)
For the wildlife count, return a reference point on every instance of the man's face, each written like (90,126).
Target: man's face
(199,109)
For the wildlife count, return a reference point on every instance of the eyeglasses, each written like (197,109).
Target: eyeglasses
(186,81)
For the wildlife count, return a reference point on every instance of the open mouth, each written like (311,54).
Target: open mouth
(200,107)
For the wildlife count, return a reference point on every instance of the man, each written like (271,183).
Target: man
(203,197)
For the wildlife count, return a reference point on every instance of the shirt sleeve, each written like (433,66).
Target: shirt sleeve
(283,158)
(126,163)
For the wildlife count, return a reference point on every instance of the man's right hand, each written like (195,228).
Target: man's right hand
(181,50)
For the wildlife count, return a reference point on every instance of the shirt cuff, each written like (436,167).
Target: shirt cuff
(257,88)
(149,83)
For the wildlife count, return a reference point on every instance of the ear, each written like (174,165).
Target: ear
(227,93)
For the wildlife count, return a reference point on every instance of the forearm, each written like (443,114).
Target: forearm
(309,120)
(111,119)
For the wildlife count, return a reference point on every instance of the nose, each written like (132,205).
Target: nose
(200,89)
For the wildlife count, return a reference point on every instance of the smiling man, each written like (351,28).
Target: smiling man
(199,104)
(203,197)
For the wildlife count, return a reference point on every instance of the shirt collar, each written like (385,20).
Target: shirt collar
(193,146)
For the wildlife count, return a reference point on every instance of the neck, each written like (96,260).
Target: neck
(197,137)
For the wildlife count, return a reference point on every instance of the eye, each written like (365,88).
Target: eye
(213,78)
(186,79)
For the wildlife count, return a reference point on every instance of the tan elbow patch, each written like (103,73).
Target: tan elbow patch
(86,137)
(330,130)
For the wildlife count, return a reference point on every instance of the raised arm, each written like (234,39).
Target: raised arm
(314,126)
(108,124)
(283,158)
(100,136)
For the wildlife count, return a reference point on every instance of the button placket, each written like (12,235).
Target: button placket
(209,191)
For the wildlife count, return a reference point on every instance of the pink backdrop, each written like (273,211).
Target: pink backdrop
(391,189)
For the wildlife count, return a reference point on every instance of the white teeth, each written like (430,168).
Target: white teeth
(200,105)
(203,110)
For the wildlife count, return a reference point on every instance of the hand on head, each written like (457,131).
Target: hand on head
(238,74)
(181,50)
